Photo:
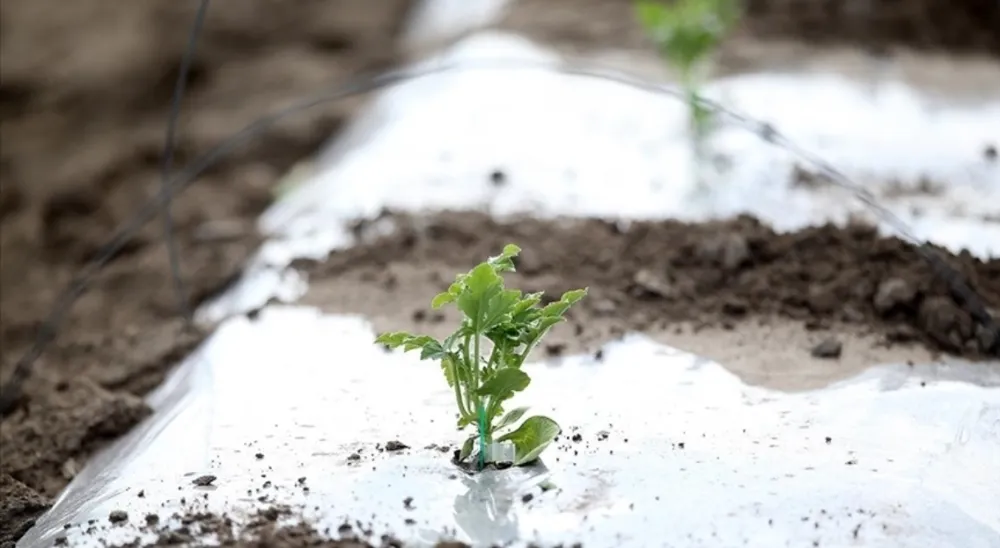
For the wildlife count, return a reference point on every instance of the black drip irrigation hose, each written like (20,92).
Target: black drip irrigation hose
(170,143)
(10,392)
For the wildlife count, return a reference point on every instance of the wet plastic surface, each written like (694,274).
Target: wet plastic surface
(673,450)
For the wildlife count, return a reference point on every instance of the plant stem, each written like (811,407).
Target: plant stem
(470,402)
(483,419)
(477,358)
(491,363)
(458,389)
(529,347)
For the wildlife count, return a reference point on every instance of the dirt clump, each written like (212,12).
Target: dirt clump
(655,275)
(84,101)
(19,506)
(271,526)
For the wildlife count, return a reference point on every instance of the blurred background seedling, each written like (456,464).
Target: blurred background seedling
(687,33)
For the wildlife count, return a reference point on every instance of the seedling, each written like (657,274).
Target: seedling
(482,359)
(686,33)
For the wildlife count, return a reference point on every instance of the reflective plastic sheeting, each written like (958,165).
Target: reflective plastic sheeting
(673,450)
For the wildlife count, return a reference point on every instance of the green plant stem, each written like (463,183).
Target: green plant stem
(470,401)
(493,359)
(494,405)
(482,437)
(479,400)
(529,347)
(479,380)
(458,390)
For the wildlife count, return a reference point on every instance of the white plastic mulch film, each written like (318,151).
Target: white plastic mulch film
(673,450)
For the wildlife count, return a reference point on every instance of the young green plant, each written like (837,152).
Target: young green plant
(482,360)
(687,32)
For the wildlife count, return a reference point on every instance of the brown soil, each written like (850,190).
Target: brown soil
(273,526)
(84,100)
(962,26)
(673,278)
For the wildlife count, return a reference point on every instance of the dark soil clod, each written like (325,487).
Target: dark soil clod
(893,294)
(498,178)
(555,349)
(395,445)
(829,349)
(204,481)
(990,153)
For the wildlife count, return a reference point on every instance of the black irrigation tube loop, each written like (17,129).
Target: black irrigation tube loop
(365,84)
(168,160)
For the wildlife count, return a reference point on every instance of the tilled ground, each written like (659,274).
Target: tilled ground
(662,276)
(83,102)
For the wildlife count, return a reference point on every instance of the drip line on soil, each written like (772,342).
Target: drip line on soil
(10,392)
(170,143)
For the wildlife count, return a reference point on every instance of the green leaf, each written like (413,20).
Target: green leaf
(392,339)
(442,299)
(482,284)
(504,262)
(524,309)
(568,299)
(467,447)
(531,438)
(687,30)
(430,348)
(502,384)
(510,418)
(449,296)
(652,15)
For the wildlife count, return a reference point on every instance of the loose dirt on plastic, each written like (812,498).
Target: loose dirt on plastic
(84,101)
(270,526)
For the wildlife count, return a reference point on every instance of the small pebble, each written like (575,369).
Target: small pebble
(204,481)
(828,349)
(395,445)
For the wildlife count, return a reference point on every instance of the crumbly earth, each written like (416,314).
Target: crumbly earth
(273,526)
(672,278)
(84,100)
